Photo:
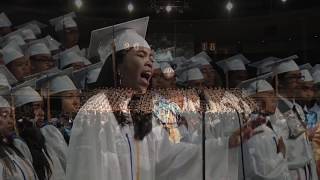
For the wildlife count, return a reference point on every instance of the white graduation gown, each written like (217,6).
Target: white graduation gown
(100,149)
(218,125)
(23,169)
(23,148)
(262,162)
(299,153)
(57,150)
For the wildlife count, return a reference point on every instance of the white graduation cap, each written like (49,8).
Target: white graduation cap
(234,63)
(93,75)
(51,43)
(316,73)
(306,66)
(202,58)
(4,20)
(46,80)
(306,75)
(70,56)
(65,21)
(163,56)
(4,84)
(15,36)
(191,74)
(28,34)
(262,66)
(167,70)
(256,85)
(285,65)
(11,54)
(43,73)
(26,95)
(38,48)
(86,75)
(34,25)
(43,78)
(60,84)
(4,103)
(13,44)
(125,35)
(30,82)
(188,64)
(9,76)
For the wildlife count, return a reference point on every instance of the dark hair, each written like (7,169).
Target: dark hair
(36,144)
(24,112)
(34,139)
(105,78)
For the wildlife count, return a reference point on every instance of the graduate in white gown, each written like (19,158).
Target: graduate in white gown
(13,164)
(105,146)
(316,77)
(299,155)
(265,153)
(45,142)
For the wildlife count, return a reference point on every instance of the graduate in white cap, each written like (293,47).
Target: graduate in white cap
(316,77)
(71,58)
(17,63)
(315,71)
(13,165)
(262,66)
(210,75)
(64,99)
(287,80)
(101,147)
(265,153)
(234,69)
(40,56)
(67,29)
(5,24)
(45,142)
(306,96)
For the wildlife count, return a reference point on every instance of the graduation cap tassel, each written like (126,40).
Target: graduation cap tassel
(115,80)
(276,84)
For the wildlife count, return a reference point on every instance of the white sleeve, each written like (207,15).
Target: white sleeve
(262,162)
(1,171)
(56,142)
(92,154)
(23,148)
(184,161)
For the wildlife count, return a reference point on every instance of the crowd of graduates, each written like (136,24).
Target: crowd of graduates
(54,124)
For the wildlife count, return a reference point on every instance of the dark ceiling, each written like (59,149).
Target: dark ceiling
(196,9)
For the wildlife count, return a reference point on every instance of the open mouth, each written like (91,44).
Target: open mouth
(146,76)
